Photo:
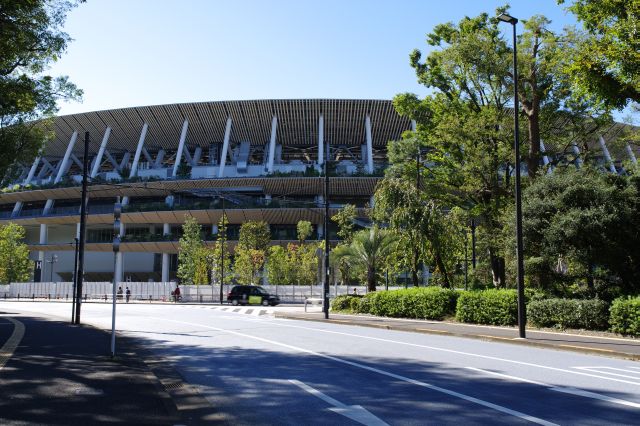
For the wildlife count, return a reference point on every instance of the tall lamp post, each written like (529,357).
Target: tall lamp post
(522,319)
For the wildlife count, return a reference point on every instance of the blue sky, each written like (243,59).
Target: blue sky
(144,52)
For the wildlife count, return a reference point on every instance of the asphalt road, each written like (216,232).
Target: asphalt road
(253,369)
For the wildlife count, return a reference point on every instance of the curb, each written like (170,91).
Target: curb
(483,337)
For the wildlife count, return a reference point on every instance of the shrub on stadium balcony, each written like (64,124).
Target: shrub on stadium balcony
(433,303)
(625,316)
(493,307)
(569,313)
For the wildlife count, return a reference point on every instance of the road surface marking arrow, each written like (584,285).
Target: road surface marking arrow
(354,412)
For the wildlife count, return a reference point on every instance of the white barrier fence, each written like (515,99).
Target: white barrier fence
(161,291)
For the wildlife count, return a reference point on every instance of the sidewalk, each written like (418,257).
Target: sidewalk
(627,348)
(61,374)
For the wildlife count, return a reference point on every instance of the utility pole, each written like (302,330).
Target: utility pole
(221,236)
(83,226)
(325,286)
(117,211)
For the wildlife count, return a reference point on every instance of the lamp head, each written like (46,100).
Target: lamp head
(508,19)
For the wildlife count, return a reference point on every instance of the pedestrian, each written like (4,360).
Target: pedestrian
(128,294)
(176,294)
(355,291)
(119,293)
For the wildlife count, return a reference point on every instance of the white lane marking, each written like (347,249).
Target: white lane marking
(6,351)
(562,389)
(596,370)
(374,370)
(354,412)
(435,348)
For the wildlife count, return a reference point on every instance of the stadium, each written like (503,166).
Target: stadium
(254,160)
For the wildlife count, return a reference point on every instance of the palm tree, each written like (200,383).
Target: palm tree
(368,249)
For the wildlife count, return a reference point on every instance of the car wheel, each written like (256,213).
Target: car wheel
(265,302)
(234,302)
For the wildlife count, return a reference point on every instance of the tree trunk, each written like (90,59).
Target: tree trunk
(443,271)
(533,160)
(497,269)
(371,279)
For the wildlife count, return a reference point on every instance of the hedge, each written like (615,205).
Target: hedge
(494,307)
(423,303)
(625,316)
(569,313)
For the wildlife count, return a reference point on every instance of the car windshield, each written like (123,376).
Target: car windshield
(261,290)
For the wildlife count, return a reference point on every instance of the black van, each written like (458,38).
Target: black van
(251,294)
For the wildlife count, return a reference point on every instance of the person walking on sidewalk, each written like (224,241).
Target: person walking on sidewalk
(119,294)
(128,294)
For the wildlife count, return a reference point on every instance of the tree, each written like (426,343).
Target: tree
(279,266)
(190,252)
(306,262)
(247,265)
(221,255)
(588,221)
(606,62)
(30,40)
(254,235)
(368,250)
(304,228)
(345,220)
(14,254)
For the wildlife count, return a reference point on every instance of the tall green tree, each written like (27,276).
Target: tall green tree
(221,254)
(254,235)
(606,61)
(305,229)
(14,254)
(190,252)
(31,38)
(247,265)
(345,221)
(280,270)
(368,251)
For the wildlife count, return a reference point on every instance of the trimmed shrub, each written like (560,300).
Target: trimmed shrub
(494,307)
(625,316)
(341,303)
(569,313)
(422,303)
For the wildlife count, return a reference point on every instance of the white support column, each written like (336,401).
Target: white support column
(46,167)
(183,137)
(576,151)
(225,147)
(197,153)
(545,158)
(112,160)
(159,159)
(630,153)
(98,159)
(367,127)
(414,127)
(76,160)
(32,170)
(125,161)
(607,156)
(136,157)
(147,156)
(320,141)
(272,144)
(166,230)
(65,160)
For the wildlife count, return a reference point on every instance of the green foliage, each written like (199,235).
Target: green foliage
(279,266)
(606,61)
(247,265)
(304,229)
(31,39)
(493,307)
(341,303)
(569,313)
(183,171)
(304,262)
(625,316)
(344,218)
(190,252)
(423,303)
(14,254)
(368,251)
(582,225)
(254,235)
(221,254)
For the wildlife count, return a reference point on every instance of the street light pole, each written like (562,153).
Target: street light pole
(522,315)
(221,236)
(325,286)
